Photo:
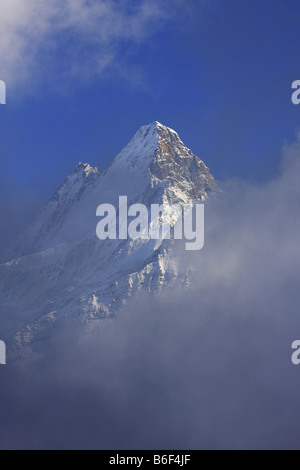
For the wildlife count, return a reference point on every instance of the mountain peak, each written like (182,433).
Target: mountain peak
(85,169)
(77,182)
(156,156)
(154,167)
(146,143)
(155,128)
(68,274)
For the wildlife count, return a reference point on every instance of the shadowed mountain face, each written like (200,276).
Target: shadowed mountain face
(59,273)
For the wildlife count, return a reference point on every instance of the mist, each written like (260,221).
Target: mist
(17,209)
(204,368)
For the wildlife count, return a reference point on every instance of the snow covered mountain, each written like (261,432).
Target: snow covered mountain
(59,273)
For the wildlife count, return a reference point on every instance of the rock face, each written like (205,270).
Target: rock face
(60,273)
(175,164)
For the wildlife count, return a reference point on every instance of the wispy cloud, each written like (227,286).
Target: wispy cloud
(80,38)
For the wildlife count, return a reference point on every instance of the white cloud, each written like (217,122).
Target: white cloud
(80,38)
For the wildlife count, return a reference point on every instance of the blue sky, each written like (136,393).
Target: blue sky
(79,85)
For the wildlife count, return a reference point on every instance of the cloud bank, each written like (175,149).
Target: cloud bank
(209,368)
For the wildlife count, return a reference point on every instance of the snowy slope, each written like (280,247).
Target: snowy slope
(61,273)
